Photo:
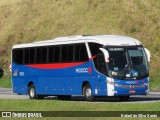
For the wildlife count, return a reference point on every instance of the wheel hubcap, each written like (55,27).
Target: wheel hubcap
(88,92)
(32,91)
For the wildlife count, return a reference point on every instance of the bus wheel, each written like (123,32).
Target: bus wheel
(87,92)
(32,92)
(124,98)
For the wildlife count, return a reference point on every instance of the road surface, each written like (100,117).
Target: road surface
(6,93)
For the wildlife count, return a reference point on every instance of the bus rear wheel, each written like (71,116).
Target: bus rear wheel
(32,93)
(87,92)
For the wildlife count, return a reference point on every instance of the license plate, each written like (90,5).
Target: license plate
(132,91)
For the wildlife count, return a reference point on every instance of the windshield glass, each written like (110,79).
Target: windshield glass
(127,63)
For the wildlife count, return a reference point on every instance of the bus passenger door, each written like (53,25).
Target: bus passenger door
(101,67)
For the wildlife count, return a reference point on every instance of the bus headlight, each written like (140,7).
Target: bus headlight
(117,85)
(110,82)
(147,83)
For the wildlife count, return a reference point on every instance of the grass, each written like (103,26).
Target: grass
(5,81)
(56,105)
(24,21)
(154,81)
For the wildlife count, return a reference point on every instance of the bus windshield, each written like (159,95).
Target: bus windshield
(127,63)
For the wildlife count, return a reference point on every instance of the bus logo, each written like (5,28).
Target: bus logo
(89,70)
(130,82)
(84,70)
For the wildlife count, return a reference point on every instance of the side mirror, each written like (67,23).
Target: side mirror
(106,54)
(148,54)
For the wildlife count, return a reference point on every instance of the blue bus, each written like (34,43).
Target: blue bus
(92,66)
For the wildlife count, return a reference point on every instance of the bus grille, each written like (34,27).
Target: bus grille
(130,86)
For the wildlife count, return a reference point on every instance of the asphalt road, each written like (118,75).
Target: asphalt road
(6,93)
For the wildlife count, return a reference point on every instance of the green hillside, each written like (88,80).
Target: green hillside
(23,21)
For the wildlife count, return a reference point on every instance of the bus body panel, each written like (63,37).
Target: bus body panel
(51,82)
(20,86)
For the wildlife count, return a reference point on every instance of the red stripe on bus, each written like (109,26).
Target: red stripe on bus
(93,57)
(55,66)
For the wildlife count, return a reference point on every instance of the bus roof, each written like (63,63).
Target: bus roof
(113,40)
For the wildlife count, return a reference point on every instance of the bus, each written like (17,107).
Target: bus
(89,65)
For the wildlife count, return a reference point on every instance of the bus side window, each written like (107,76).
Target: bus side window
(54,54)
(64,53)
(77,53)
(57,54)
(70,56)
(27,61)
(32,55)
(81,53)
(38,55)
(51,54)
(44,55)
(18,56)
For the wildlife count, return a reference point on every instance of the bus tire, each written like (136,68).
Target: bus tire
(87,92)
(32,93)
(124,98)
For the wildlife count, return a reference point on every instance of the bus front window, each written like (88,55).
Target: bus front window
(138,61)
(117,62)
(127,63)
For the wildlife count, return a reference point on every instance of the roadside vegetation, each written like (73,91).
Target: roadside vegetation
(23,21)
(57,105)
